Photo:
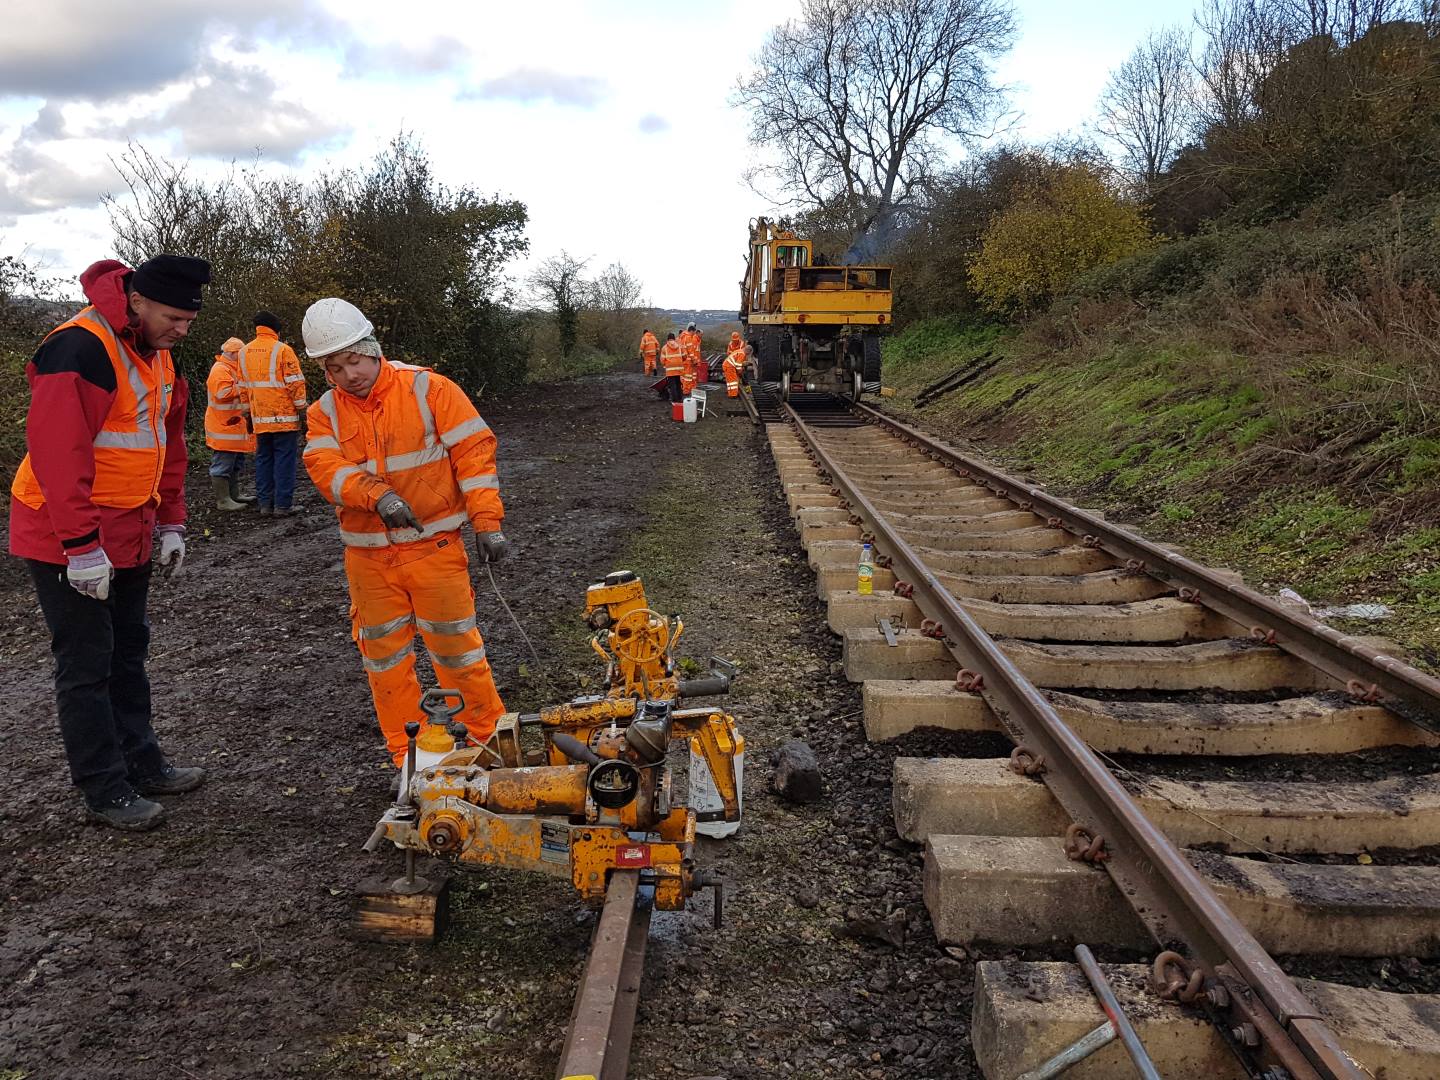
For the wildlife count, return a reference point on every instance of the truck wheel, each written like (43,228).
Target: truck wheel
(767,354)
(872,357)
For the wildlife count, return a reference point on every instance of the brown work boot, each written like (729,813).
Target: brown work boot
(220,485)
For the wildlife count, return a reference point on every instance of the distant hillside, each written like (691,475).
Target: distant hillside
(701,317)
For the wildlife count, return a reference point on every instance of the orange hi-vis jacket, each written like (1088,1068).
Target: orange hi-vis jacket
(130,446)
(271,372)
(415,433)
(649,346)
(227,409)
(672,357)
(690,347)
(734,365)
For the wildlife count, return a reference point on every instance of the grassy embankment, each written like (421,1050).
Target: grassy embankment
(1308,458)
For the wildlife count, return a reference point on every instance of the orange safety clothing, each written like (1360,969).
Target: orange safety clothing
(418,435)
(649,348)
(672,357)
(227,409)
(271,372)
(389,602)
(734,365)
(129,448)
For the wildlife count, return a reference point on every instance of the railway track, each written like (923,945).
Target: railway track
(1197,770)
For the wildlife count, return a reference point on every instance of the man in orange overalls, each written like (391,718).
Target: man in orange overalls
(734,365)
(227,427)
(406,460)
(276,388)
(649,350)
(672,360)
(690,351)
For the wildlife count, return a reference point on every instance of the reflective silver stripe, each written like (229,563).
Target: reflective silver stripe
(321,442)
(291,419)
(440,525)
(421,387)
(464,431)
(222,407)
(327,404)
(413,460)
(365,539)
(370,633)
(294,378)
(125,440)
(460,660)
(337,482)
(385,663)
(474,483)
(235,438)
(454,626)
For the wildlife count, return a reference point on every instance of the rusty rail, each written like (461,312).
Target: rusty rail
(1246,990)
(597,1045)
(1365,672)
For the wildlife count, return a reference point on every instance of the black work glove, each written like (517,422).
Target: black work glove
(491,547)
(396,512)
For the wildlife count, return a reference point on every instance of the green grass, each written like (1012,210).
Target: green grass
(1318,473)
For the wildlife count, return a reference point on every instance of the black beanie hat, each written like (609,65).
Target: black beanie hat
(172,279)
(267,319)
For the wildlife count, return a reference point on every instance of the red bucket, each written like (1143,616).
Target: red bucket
(677,411)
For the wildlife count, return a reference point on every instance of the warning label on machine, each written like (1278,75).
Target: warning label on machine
(554,842)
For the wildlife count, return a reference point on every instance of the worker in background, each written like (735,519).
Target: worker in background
(690,351)
(276,388)
(649,350)
(734,365)
(227,427)
(104,474)
(407,461)
(672,361)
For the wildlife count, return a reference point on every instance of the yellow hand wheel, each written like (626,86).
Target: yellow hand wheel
(639,636)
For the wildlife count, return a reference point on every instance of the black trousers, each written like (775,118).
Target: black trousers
(101,690)
(672,384)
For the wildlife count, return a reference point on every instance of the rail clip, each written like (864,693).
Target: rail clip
(904,588)
(1175,979)
(1083,846)
(968,680)
(931,628)
(1026,762)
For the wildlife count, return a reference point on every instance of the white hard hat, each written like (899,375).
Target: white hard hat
(332,324)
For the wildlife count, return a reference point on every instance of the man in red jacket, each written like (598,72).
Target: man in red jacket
(105,473)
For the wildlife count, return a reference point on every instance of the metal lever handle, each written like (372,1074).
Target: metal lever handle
(432,703)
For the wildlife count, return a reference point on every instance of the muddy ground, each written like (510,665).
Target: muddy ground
(217,946)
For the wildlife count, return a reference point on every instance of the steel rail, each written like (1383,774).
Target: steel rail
(1176,904)
(597,1045)
(1366,672)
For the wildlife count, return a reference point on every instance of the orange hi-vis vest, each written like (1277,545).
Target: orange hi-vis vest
(690,345)
(672,358)
(734,365)
(271,373)
(130,445)
(227,408)
(417,434)
(649,346)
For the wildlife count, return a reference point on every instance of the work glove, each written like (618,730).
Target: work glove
(90,573)
(172,550)
(491,546)
(396,512)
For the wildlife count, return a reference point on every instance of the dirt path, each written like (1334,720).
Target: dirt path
(216,947)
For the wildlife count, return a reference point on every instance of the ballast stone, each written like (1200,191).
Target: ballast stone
(797,773)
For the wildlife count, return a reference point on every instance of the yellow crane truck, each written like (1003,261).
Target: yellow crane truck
(811,327)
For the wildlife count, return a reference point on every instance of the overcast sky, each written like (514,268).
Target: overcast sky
(609,119)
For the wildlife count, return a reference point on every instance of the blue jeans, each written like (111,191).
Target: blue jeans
(275,460)
(227,463)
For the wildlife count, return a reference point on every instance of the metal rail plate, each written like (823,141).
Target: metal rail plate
(597,1046)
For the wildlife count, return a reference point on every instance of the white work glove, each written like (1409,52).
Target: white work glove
(172,550)
(396,512)
(90,573)
(491,546)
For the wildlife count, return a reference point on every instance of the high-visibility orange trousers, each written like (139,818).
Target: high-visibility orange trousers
(649,365)
(393,593)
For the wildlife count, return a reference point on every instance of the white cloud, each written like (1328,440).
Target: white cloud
(651,124)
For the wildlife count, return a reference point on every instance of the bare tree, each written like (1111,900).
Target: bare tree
(1244,41)
(620,310)
(1146,107)
(559,284)
(1343,21)
(850,100)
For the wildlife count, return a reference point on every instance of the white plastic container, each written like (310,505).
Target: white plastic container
(704,797)
(425,758)
(689,410)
